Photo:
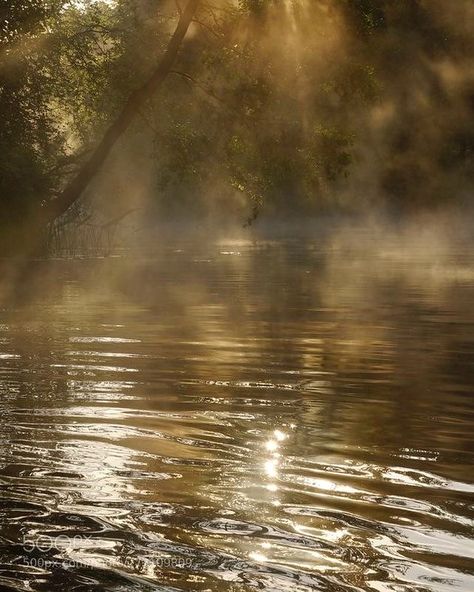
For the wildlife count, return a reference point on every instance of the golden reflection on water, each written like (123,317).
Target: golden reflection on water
(283,418)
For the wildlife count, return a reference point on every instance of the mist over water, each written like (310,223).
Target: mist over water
(241,415)
(243,359)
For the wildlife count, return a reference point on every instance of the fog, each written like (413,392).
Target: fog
(387,110)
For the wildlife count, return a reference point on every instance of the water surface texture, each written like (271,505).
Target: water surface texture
(239,416)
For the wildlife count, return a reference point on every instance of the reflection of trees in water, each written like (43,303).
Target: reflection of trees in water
(188,363)
(373,337)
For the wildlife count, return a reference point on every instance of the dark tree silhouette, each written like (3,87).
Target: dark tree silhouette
(136,100)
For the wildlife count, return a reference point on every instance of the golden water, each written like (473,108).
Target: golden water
(239,416)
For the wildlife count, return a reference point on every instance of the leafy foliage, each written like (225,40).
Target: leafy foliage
(271,105)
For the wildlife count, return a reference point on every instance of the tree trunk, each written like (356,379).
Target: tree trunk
(136,100)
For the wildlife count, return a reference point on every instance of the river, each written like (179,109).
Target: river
(236,416)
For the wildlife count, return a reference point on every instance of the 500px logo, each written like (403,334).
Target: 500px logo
(45,543)
(42,563)
(173,562)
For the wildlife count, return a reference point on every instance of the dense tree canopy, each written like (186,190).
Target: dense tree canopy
(292,106)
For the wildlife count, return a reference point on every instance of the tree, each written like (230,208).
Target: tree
(31,222)
(135,102)
(269,104)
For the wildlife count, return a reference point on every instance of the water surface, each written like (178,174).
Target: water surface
(239,416)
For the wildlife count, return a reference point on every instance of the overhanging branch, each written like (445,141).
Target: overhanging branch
(91,167)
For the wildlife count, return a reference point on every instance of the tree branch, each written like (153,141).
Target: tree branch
(91,167)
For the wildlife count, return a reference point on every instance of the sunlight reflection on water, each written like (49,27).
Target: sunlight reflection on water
(283,419)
